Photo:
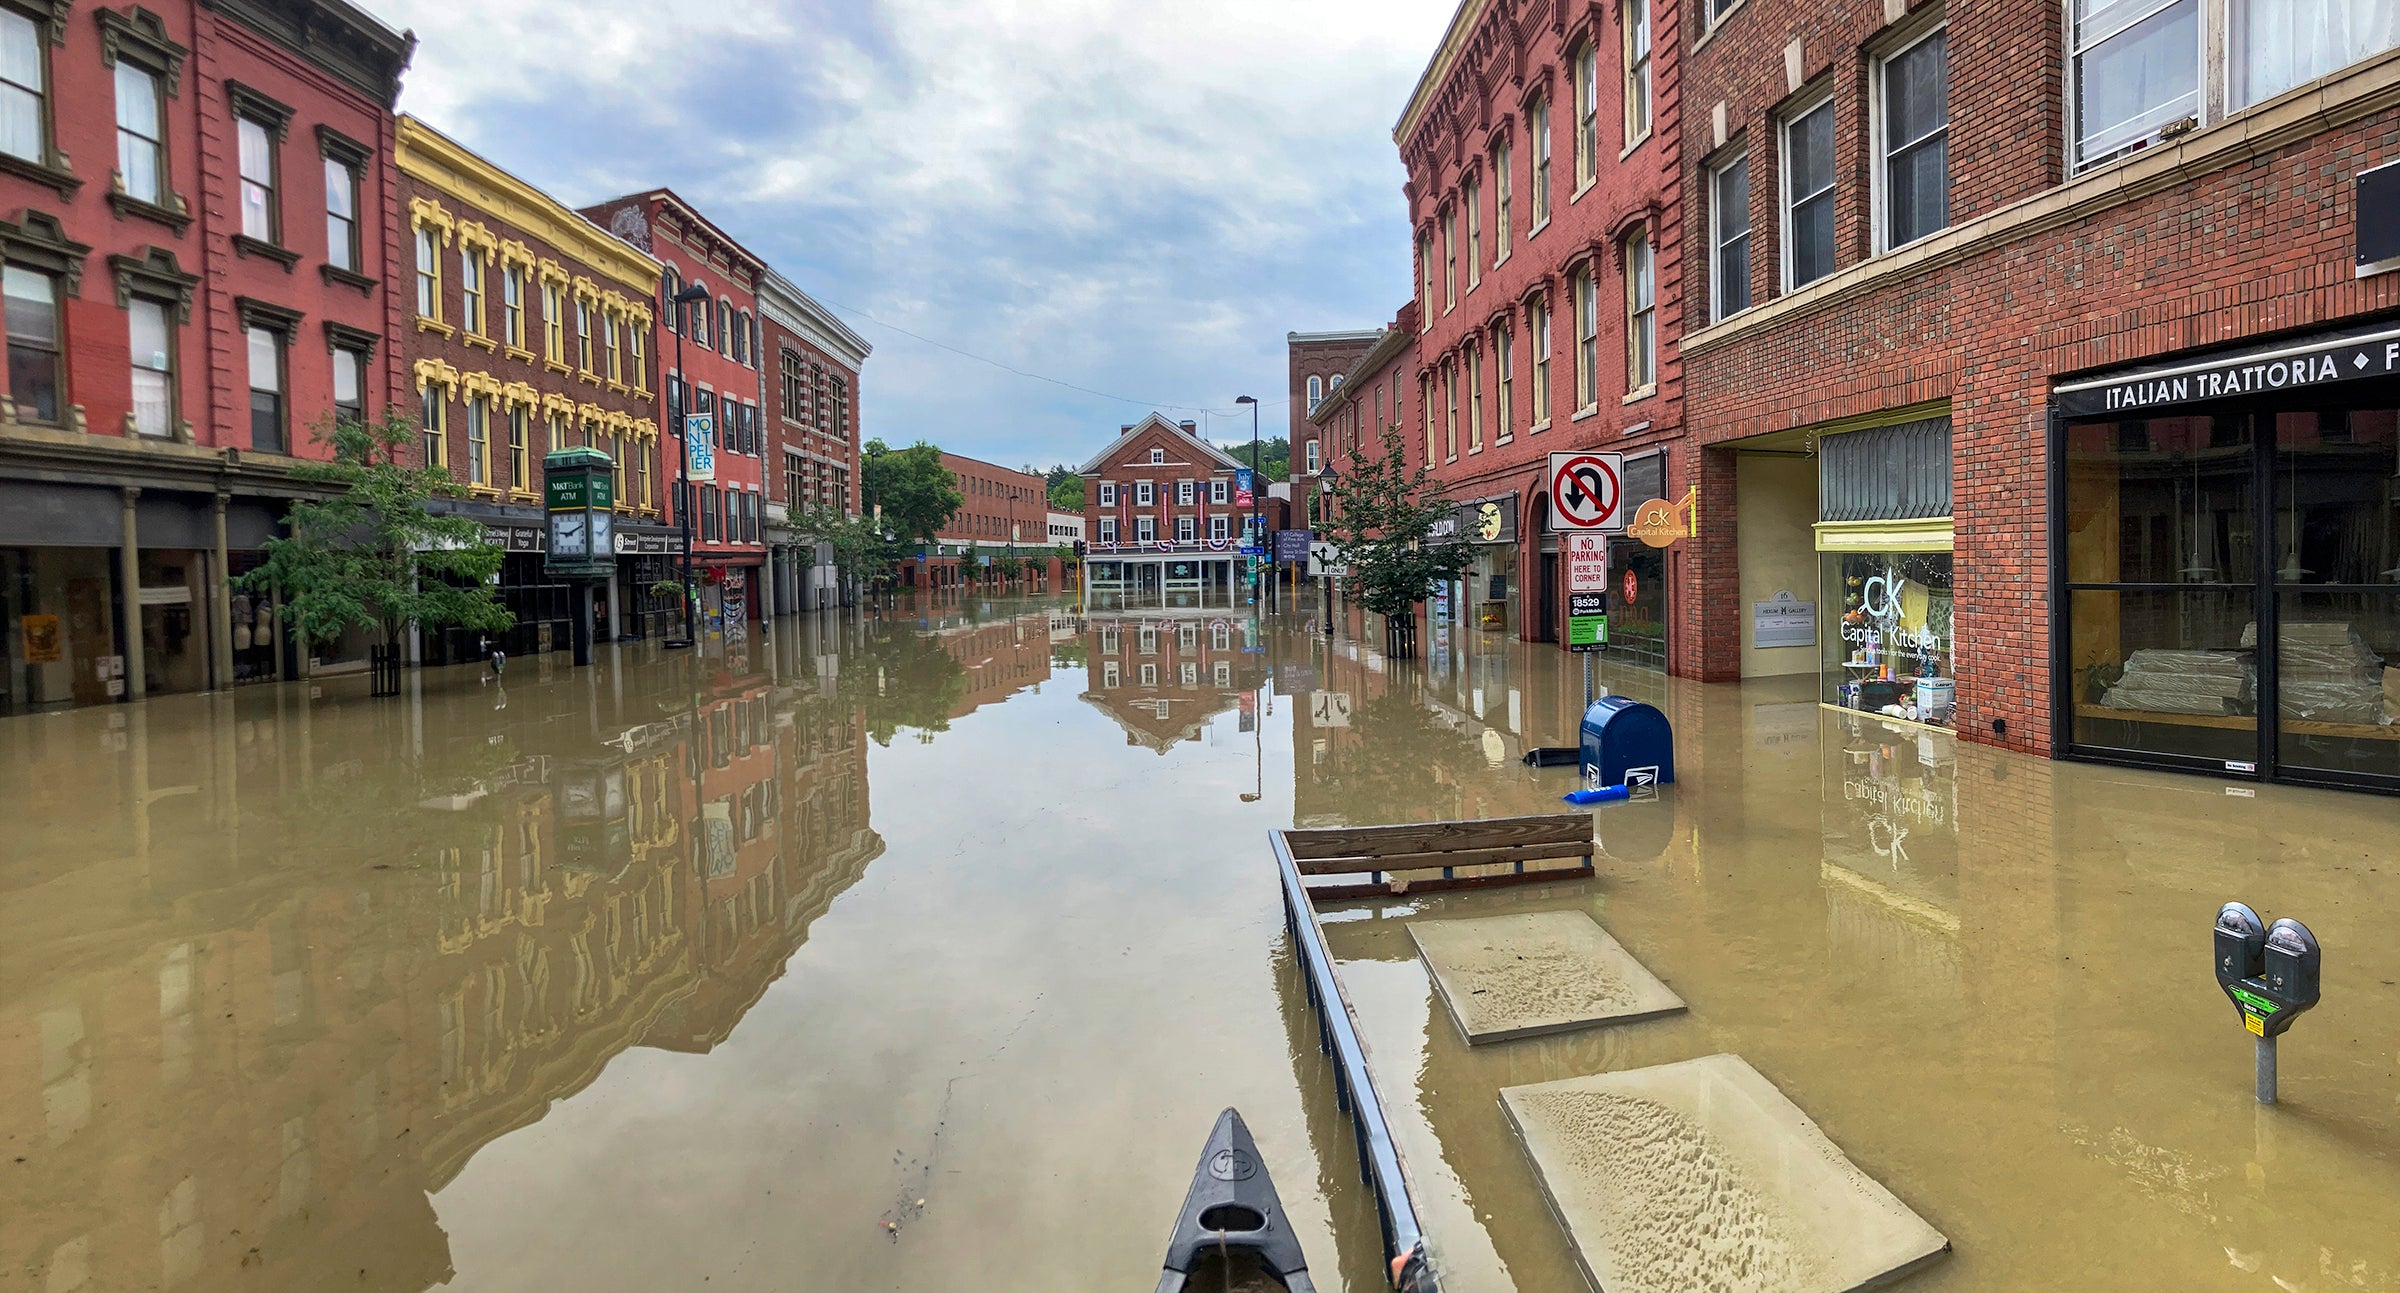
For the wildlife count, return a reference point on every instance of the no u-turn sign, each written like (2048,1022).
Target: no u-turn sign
(1586,487)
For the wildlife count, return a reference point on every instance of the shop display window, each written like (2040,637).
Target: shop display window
(1891,650)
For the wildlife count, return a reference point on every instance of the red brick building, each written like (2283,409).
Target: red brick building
(2059,396)
(1163,521)
(1006,512)
(197,218)
(1544,145)
(812,361)
(1318,361)
(1163,679)
(722,378)
(531,330)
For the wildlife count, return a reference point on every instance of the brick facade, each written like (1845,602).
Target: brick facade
(1503,87)
(1317,363)
(811,363)
(1003,509)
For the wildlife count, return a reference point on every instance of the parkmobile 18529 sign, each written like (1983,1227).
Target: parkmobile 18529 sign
(1587,490)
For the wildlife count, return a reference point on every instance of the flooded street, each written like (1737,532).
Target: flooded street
(920,951)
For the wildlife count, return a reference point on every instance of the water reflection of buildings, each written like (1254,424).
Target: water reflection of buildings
(249,1026)
(1163,677)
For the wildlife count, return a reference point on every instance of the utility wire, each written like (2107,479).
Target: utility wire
(854,312)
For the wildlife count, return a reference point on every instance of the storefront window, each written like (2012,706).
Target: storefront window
(1891,653)
(55,606)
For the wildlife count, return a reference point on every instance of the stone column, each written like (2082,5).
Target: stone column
(220,596)
(129,575)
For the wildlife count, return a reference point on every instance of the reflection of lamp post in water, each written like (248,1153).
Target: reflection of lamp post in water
(698,291)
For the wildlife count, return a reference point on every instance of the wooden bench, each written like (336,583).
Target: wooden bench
(1431,856)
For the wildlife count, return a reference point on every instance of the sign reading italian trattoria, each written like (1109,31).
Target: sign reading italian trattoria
(2289,365)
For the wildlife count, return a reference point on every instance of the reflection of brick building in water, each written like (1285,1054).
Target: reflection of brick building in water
(289,1025)
(1163,678)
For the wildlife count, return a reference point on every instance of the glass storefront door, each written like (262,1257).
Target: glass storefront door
(2230,565)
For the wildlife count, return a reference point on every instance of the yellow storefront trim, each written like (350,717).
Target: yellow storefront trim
(1932,535)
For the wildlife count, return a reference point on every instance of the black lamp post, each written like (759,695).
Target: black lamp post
(1325,517)
(875,500)
(697,291)
(1258,494)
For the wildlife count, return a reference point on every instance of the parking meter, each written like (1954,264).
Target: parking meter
(2270,973)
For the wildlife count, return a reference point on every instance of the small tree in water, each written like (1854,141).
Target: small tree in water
(373,555)
(1383,529)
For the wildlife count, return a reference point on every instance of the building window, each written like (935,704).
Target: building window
(2278,44)
(341,214)
(1183,529)
(709,516)
(1450,259)
(669,283)
(1474,358)
(1537,131)
(153,345)
(1808,196)
(1641,313)
(433,405)
(1425,401)
(141,151)
(1316,393)
(1108,529)
(795,390)
(512,305)
(266,390)
(260,214)
(1143,495)
(1587,113)
(520,453)
(429,275)
(1729,230)
(698,323)
(2136,69)
(24,81)
(583,337)
(1216,491)
(1158,457)
(1637,71)
(616,354)
(1184,492)
(1717,9)
(554,324)
(1315,463)
(633,356)
(1474,199)
(1503,387)
(479,441)
(1450,410)
(1218,529)
(36,366)
(727,343)
(1916,141)
(1502,188)
(1425,269)
(1537,333)
(349,385)
(471,268)
(1145,529)
(1587,337)
(1108,493)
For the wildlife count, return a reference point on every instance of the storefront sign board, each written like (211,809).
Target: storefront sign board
(1587,490)
(2378,212)
(700,446)
(1587,563)
(1587,621)
(2287,366)
(1783,621)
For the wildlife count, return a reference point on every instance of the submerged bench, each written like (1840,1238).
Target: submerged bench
(1415,856)
(1431,856)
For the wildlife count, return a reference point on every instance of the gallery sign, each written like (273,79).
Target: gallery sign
(2290,366)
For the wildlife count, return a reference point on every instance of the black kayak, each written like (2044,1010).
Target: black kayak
(1232,1231)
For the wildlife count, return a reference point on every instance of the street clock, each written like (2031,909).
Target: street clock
(579,487)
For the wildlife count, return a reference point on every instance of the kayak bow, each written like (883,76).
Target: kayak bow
(1232,1212)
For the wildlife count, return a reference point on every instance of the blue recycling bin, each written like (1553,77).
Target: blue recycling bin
(1625,741)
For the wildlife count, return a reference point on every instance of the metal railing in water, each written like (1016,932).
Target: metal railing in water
(1354,1086)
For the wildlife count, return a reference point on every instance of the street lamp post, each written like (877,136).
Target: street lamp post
(697,291)
(1258,510)
(875,499)
(1325,515)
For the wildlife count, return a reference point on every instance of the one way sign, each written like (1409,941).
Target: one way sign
(1586,488)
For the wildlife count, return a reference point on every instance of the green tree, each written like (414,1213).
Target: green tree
(1274,457)
(373,555)
(918,494)
(1384,532)
(1066,495)
(863,557)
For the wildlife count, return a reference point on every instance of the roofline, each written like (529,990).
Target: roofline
(813,320)
(1437,69)
(1356,334)
(1092,466)
(664,194)
(1394,341)
(982,462)
(426,154)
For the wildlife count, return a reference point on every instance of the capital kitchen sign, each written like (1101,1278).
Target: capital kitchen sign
(2291,366)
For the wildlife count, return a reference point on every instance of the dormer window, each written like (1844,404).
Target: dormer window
(1158,457)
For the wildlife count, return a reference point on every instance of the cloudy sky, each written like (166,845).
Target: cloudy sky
(1133,197)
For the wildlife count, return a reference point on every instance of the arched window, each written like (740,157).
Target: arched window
(724,326)
(668,285)
(749,333)
(697,323)
(1316,392)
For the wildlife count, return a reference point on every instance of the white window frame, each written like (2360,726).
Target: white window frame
(1218,490)
(1218,530)
(1537,131)
(1786,202)
(1501,193)
(1185,528)
(1716,238)
(1641,316)
(1145,529)
(1583,86)
(2207,87)
(1111,675)
(1315,458)
(1108,529)
(1879,186)
(1450,259)
(1640,85)
(1503,391)
(1145,494)
(1150,676)
(1158,457)
(1472,194)
(1316,392)
(1183,493)
(1108,493)
(1538,337)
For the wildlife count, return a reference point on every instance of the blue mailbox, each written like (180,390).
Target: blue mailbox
(1626,743)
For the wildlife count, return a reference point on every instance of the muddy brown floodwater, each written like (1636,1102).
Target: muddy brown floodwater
(921,952)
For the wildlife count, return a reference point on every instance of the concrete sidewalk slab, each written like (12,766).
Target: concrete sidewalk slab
(1536,972)
(1701,1175)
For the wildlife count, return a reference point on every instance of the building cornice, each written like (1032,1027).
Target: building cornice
(1313,338)
(427,155)
(1394,340)
(339,38)
(1429,82)
(783,301)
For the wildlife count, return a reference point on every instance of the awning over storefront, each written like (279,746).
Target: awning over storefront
(2327,358)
